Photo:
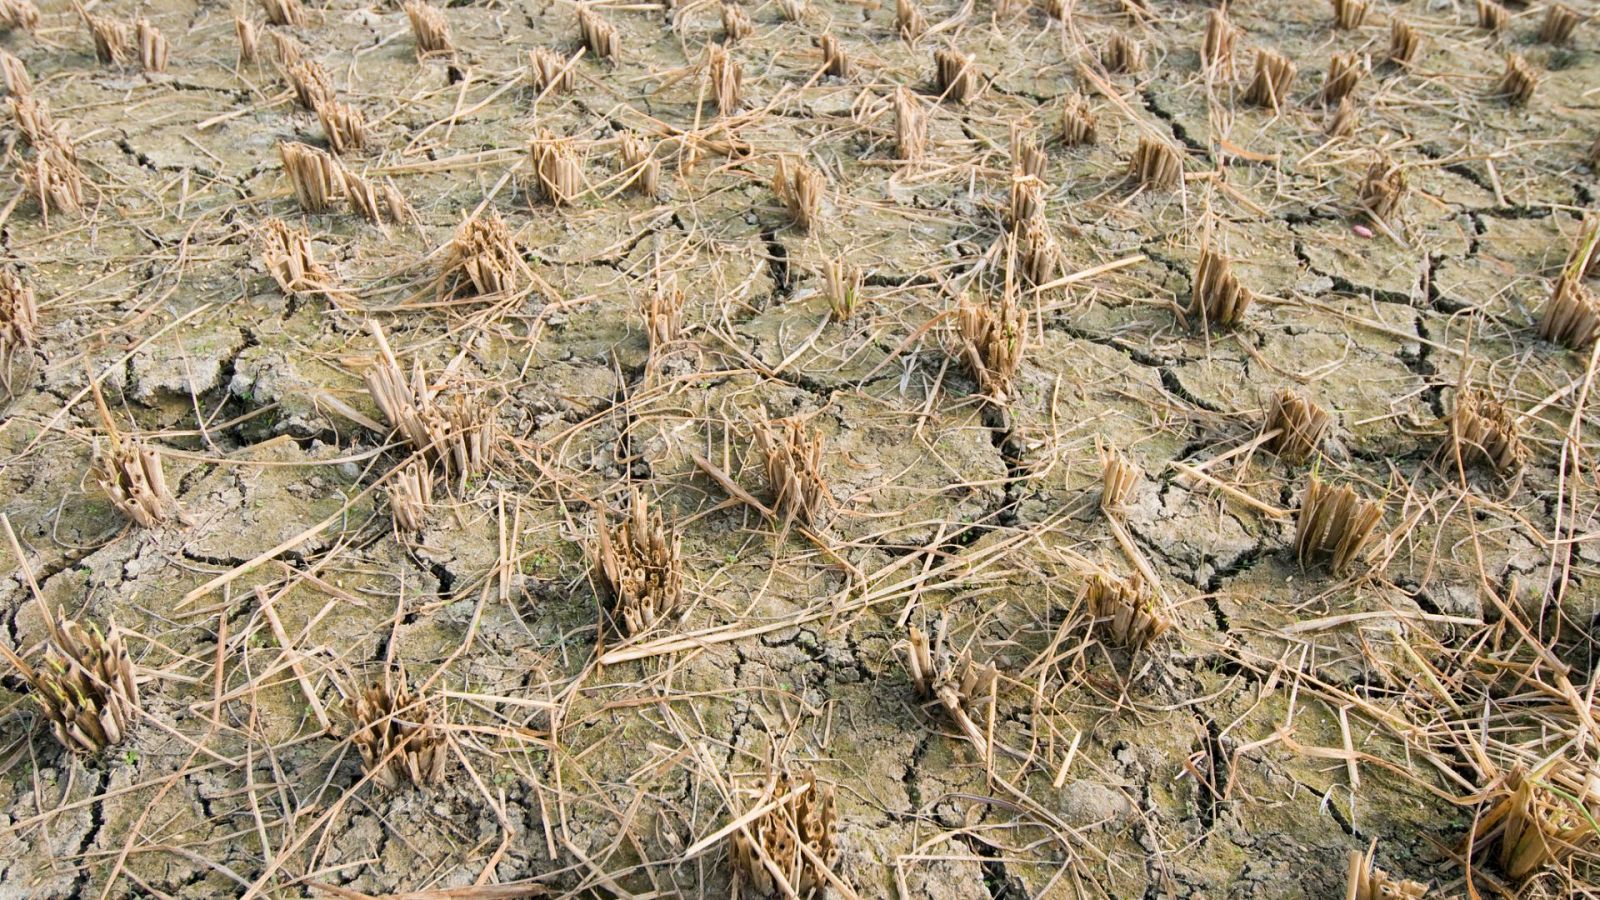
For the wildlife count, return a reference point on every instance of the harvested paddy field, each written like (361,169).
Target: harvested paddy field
(1089,448)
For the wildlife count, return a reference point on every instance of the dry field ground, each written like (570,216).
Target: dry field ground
(1081,448)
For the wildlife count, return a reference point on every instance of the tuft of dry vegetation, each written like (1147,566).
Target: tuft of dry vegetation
(1334,525)
(1518,82)
(638,563)
(557,176)
(909,21)
(1124,611)
(1122,54)
(153,49)
(53,179)
(952,74)
(459,436)
(792,458)
(957,683)
(377,202)
(548,71)
(1117,478)
(835,60)
(84,687)
(1493,17)
(1342,122)
(1559,23)
(314,175)
(309,81)
(410,493)
(287,257)
(482,260)
(1571,316)
(799,189)
(910,126)
(110,37)
(641,170)
(663,315)
(1534,823)
(131,475)
(249,42)
(1345,71)
(726,77)
(1383,188)
(344,126)
(1156,165)
(597,35)
(1482,429)
(18,15)
(1349,14)
(990,339)
(1274,76)
(1404,42)
(842,286)
(430,29)
(1218,299)
(1298,425)
(401,735)
(19,319)
(1216,44)
(1077,121)
(284,12)
(787,849)
(736,24)
(14,75)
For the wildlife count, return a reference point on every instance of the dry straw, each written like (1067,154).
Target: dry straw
(909,21)
(1056,10)
(1404,42)
(1349,14)
(53,179)
(736,24)
(786,851)
(1517,83)
(344,126)
(835,61)
(84,686)
(792,458)
(792,10)
(286,48)
(19,318)
(110,39)
(641,171)
(955,682)
(1274,76)
(286,255)
(1122,54)
(430,28)
(400,735)
(597,35)
(1117,478)
(1383,188)
(1483,430)
(153,48)
(952,74)
(314,175)
(410,492)
(460,437)
(663,314)
(1365,881)
(990,340)
(910,126)
(558,178)
(1026,199)
(482,260)
(1334,525)
(799,189)
(131,475)
(1124,611)
(1343,120)
(1559,23)
(309,81)
(1571,316)
(1218,299)
(35,124)
(1026,156)
(249,43)
(639,565)
(842,285)
(1530,826)
(377,202)
(1299,426)
(1216,46)
(18,15)
(1345,71)
(1493,17)
(1156,165)
(1077,121)
(726,75)
(549,72)
(1036,255)
(284,12)
(14,75)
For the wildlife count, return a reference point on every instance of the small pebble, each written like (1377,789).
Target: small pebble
(1361,231)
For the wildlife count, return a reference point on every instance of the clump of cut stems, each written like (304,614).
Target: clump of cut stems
(726,76)
(641,170)
(792,458)
(990,339)
(344,126)
(1334,525)
(799,188)
(153,47)
(952,74)
(1117,478)
(430,29)
(842,285)
(1383,188)
(910,126)
(84,687)
(1493,17)
(596,34)
(639,565)
(1483,430)
(410,492)
(482,260)
(400,734)
(1274,75)
(549,73)
(1300,426)
(1559,23)
(377,202)
(1077,121)
(284,12)
(954,681)
(1531,826)
(1122,54)
(1156,165)
(1518,82)
(287,257)
(459,436)
(909,22)
(558,178)
(788,849)
(1349,14)
(19,319)
(663,314)
(1404,42)
(18,15)
(1571,316)
(1218,299)
(1216,44)
(736,24)
(1365,881)
(1124,611)
(1345,71)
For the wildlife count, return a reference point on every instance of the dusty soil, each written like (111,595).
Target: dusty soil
(1289,715)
